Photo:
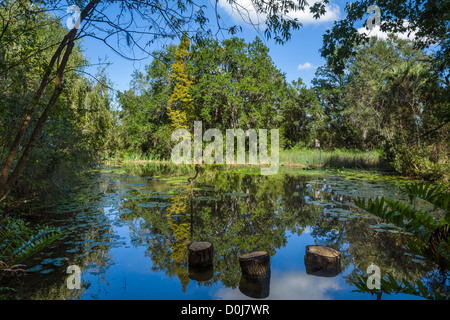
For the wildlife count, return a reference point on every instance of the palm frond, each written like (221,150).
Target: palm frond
(436,195)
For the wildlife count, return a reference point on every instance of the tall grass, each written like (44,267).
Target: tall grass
(303,157)
(133,157)
(332,158)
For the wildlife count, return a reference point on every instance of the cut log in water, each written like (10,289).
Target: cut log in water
(322,261)
(201,254)
(255,264)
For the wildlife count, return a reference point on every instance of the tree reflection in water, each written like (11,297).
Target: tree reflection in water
(147,209)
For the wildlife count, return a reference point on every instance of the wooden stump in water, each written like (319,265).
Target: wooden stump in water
(255,264)
(201,254)
(322,261)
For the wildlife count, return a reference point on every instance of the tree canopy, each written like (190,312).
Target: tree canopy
(427,20)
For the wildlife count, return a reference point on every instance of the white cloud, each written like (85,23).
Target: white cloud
(290,285)
(377,32)
(306,66)
(244,11)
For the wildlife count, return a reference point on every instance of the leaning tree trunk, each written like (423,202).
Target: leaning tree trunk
(8,179)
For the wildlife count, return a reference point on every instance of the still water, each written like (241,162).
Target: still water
(128,230)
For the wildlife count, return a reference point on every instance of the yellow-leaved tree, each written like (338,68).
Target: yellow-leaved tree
(180,107)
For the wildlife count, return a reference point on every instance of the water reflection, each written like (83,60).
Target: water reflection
(322,261)
(255,287)
(291,285)
(130,229)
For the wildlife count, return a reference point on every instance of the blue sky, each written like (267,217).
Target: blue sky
(302,50)
(298,58)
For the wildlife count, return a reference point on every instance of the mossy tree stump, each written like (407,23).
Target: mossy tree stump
(322,261)
(255,264)
(201,254)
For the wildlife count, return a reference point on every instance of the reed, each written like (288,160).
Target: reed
(332,158)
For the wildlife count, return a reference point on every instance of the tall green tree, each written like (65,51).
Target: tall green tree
(427,19)
(392,98)
(229,84)
(237,85)
(145,127)
(302,117)
(78,125)
(166,20)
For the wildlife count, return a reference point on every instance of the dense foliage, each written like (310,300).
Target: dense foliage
(390,99)
(77,129)
(388,95)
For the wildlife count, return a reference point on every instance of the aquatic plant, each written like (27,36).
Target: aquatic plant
(18,240)
(388,285)
(431,234)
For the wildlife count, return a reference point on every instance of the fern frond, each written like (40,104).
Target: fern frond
(18,241)
(388,285)
(433,194)
(420,223)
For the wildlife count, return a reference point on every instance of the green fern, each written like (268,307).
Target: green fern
(433,194)
(18,240)
(432,237)
(419,222)
(388,285)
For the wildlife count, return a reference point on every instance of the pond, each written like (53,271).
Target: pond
(129,228)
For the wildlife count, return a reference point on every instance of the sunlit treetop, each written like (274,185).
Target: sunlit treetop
(427,20)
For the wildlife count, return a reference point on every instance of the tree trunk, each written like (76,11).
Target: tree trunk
(201,254)
(8,179)
(322,261)
(255,264)
(26,121)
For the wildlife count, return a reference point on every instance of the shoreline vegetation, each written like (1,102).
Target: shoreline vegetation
(302,158)
(376,104)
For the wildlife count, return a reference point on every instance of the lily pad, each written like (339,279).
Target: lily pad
(237,194)
(150,205)
(205,198)
(35,268)
(47,271)
(47,261)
